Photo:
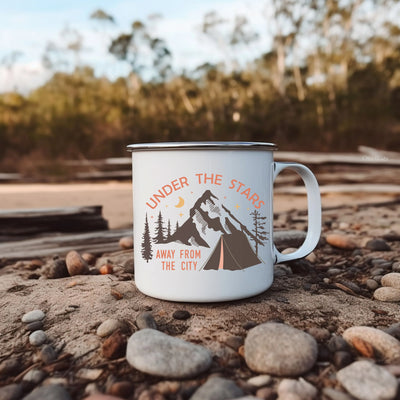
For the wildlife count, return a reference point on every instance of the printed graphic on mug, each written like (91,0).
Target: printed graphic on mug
(202,222)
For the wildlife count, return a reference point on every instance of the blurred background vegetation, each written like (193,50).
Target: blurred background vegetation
(329,82)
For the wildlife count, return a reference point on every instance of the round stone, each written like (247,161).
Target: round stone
(156,353)
(217,388)
(56,269)
(76,265)
(260,380)
(377,245)
(109,326)
(301,388)
(145,320)
(37,338)
(367,381)
(181,314)
(32,316)
(392,280)
(369,340)
(386,293)
(126,242)
(396,266)
(48,354)
(279,349)
(50,392)
(341,241)
(371,284)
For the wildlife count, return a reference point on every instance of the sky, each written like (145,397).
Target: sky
(27,26)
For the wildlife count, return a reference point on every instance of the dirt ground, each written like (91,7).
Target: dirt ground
(116,198)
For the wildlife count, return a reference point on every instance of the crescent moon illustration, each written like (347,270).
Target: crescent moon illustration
(180,203)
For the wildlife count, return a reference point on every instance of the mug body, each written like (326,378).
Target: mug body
(203,220)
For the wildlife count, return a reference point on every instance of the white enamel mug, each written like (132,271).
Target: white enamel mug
(203,219)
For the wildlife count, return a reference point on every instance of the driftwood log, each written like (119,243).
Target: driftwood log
(17,224)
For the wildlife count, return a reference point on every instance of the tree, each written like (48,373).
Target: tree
(169,229)
(147,252)
(259,232)
(159,238)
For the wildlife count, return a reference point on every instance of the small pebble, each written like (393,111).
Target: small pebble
(388,294)
(384,346)
(34,375)
(234,342)
(122,389)
(109,326)
(217,388)
(56,269)
(156,353)
(76,265)
(34,326)
(51,392)
(367,381)
(394,330)
(114,346)
(10,366)
(90,374)
(266,393)
(396,266)
(181,314)
(14,391)
(371,284)
(37,338)
(145,320)
(106,269)
(341,359)
(319,334)
(260,380)
(89,258)
(48,354)
(392,280)
(32,316)
(341,241)
(377,245)
(334,271)
(126,242)
(265,344)
(334,394)
(302,389)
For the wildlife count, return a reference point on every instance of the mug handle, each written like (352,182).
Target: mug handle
(314,211)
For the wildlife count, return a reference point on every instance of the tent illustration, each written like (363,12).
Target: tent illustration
(232,252)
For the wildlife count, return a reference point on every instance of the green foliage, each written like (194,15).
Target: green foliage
(343,92)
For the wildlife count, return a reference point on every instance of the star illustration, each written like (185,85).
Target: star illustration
(237,206)
(180,214)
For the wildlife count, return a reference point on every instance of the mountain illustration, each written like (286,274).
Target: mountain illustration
(209,217)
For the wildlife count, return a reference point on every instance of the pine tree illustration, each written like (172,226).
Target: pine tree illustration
(177,226)
(259,226)
(147,252)
(169,229)
(159,238)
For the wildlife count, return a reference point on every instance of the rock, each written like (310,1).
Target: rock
(394,330)
(109,326)
(341,359)
(366,381)
(363,338)
(371,284)
(392,280)
(122,389)
(279,349)
(48,354)
(10,366)
(89,258)
(90,374)
(260,380)
(13,391)
(32,316)
(181,314)
(37,338)
(99,396)
(319,334)
(341,241)
(396,266)
(51,392)
(34,326)
(234,342)
(333,394)
(300,388)
(386,293)
(56,269)
(76,265)
(126,242)
(377,245)
(106,269)
(34,375)
(266,393)
(145,320)
(217,389)
(114,346)
(156,353)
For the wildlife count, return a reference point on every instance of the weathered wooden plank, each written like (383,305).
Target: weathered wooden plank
(35,221)
(97,242)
